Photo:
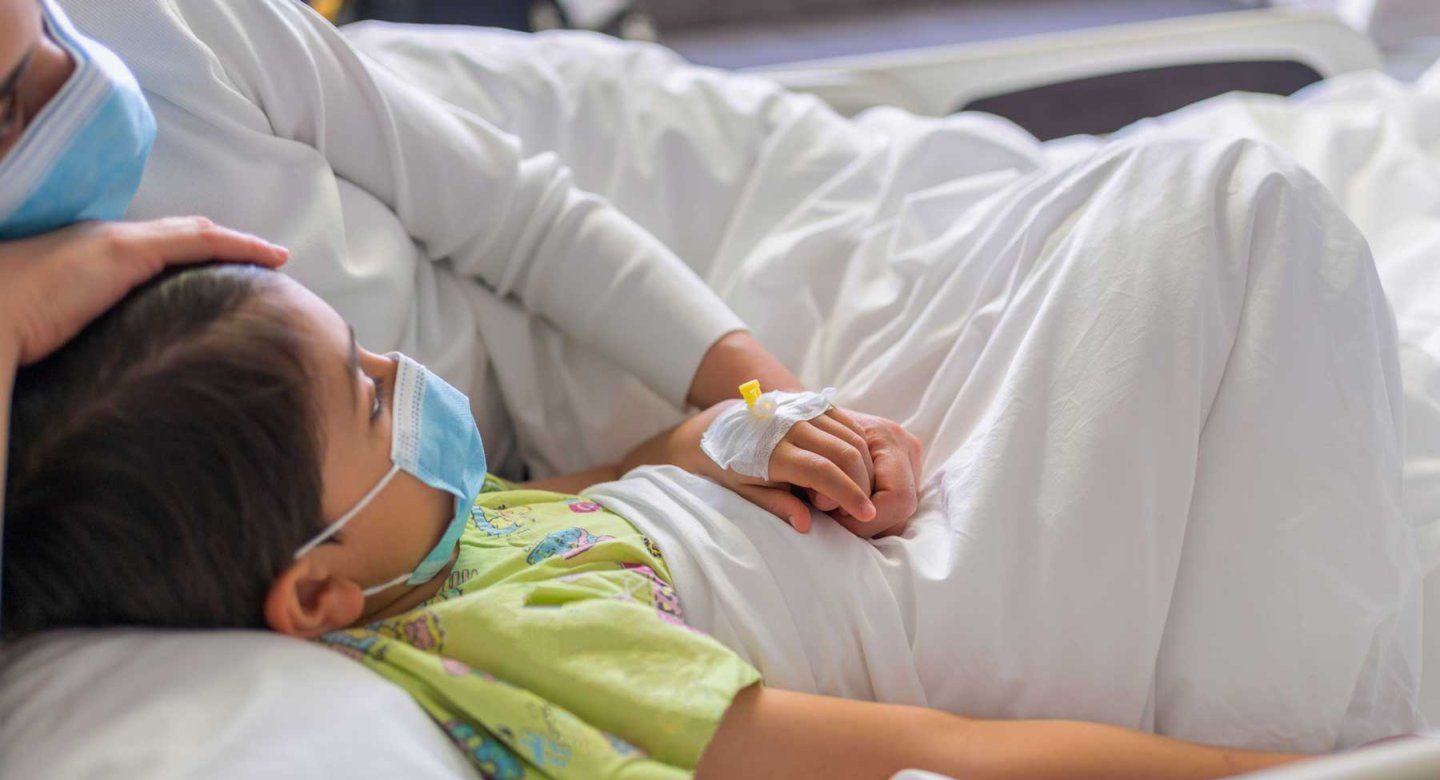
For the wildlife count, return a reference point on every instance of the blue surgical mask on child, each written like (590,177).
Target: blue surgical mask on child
(83,154)
(434,438)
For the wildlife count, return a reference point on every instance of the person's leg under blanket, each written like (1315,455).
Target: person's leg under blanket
(1066,349)
(1175,357)
(1298,586)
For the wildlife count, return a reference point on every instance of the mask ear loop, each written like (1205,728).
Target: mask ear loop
(335,527)
(373,589)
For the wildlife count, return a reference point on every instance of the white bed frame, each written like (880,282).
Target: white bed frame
(933,81)
(1409,759)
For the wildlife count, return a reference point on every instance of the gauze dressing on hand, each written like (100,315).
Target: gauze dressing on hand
(743,436)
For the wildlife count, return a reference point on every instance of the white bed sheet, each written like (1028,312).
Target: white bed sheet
(1112,363)
(696,185)
(800,200)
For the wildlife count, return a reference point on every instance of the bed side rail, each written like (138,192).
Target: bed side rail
(1273,50)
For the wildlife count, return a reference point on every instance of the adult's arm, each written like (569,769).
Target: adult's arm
(732,361)
(468,192)
(472,197)
(768,733)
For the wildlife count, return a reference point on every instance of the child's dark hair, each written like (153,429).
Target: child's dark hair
(165,465)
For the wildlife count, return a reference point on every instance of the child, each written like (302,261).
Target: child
(218,452)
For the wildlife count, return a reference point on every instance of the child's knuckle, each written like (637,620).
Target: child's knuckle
(114,241)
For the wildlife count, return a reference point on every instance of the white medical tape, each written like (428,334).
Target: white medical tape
(743,437)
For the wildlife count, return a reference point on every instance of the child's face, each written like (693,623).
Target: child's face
(353,388)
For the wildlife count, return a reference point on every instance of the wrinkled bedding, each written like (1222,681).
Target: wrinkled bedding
(1141,502)
(1158,382)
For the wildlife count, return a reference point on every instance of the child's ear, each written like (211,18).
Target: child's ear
(307,601)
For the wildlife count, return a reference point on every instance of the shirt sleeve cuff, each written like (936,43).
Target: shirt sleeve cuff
(663,339)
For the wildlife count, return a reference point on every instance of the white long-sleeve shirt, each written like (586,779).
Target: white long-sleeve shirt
(396,206)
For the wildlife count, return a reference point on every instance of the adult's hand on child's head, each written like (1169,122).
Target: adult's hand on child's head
(53,285)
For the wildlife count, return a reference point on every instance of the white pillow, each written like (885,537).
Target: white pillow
(217,704)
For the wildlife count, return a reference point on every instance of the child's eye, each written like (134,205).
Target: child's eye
(10,119)
(377,405)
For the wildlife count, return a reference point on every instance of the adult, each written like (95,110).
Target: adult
(415,218)
(52,284)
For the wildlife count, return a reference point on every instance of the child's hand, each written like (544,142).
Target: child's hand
(826,456)
(893,458)
(862,468)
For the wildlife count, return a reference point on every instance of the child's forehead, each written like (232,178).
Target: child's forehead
(311,312)
(328,334)
(332,358)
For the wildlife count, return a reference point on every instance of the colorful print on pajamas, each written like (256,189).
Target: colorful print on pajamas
(557,647)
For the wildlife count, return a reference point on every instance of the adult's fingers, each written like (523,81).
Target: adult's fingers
(875,529)
(838,451)
(57,282)
(180,240)
(806,469)
(896,492)
(894,530)
(778,502)
(915,449)
(872,530)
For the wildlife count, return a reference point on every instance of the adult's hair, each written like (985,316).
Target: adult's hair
(164,465)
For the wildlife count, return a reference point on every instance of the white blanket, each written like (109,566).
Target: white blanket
(1161,398)
(787,209)
(1375,144)
(1158,384)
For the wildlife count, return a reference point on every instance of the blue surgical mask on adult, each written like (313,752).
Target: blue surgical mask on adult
(434,438)
(82,155)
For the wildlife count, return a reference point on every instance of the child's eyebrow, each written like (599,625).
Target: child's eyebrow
(353,367)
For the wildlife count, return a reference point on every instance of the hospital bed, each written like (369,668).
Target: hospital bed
(1094,81)
(242,704)
(1413,759)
